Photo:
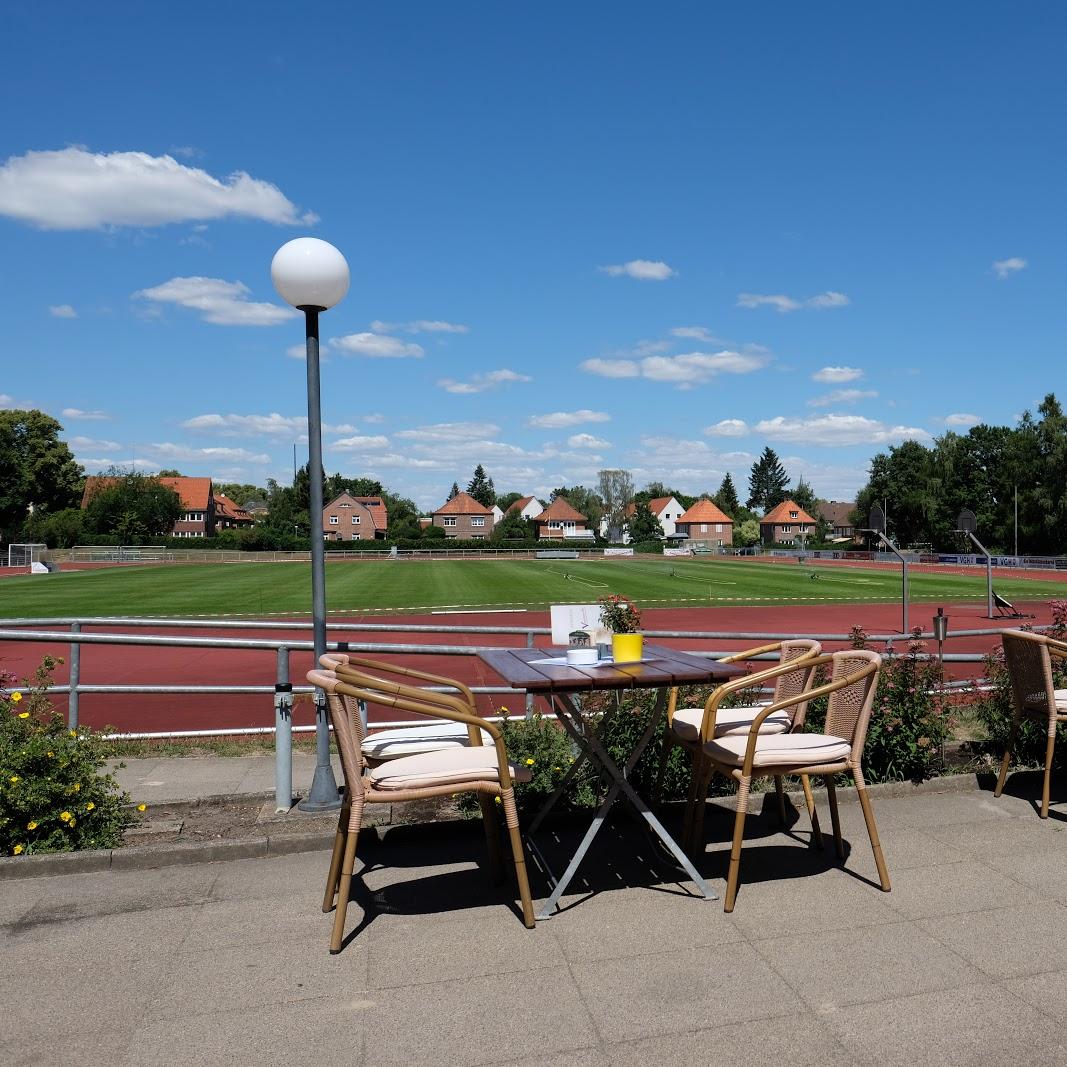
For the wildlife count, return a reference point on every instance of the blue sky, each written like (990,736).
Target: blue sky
(657,237)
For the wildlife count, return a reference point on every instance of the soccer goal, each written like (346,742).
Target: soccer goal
(24,555)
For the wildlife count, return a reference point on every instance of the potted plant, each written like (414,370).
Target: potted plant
(622,616)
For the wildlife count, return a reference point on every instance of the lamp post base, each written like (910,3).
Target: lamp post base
(323,795)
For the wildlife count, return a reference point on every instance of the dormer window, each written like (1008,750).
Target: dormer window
(794,514)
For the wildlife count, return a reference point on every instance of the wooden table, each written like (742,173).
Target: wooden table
(660,668)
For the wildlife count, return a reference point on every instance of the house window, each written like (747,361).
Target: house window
(794,514)
(355,520)
(703,527)
(333,520)
(448,522)
(477,537)
(718,529)
(787,528)
(478,520)
(345,505)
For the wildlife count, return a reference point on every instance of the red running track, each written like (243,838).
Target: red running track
(156,665)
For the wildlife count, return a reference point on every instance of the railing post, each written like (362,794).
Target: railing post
(283,734)
(75,678)
(529,695)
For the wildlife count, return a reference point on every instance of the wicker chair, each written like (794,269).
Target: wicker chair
(437,736)
(477,768)
(1028,657)
(839,749)
(791,675)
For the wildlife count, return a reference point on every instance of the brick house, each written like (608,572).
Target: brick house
(355,518)
(464,518)
(198,503)
(230,515)
(839,515)
(560,520)
(785,524)
(705,523)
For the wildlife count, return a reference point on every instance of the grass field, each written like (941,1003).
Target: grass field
(259,589)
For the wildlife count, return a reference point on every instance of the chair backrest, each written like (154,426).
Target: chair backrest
(848,710)
(1026,655)
(793,683)
(347,727)
(336,660)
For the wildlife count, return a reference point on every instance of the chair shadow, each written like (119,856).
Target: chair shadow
(1027,785)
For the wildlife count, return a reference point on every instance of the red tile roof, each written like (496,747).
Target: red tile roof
(519,504)
(195,493)
(655,505)
(463,504)
(225,508)
(705,510)
(560,510)
(836,512)
(781,514)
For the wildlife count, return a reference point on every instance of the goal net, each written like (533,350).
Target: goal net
(24,555)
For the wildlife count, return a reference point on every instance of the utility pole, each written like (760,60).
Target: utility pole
(1016,521)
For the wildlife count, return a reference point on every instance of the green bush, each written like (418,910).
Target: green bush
(53,794)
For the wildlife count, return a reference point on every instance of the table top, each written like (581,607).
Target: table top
(659,667)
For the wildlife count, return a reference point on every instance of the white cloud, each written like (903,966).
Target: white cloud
(298,352)
(727,428)
(376,346)
(480,382)
(782,303)
(75,189)
(419,326)
(695,333)
(685,370)
(184,453)
(841,396)
(6,401)
(449,431)
(644,270)
(587,440)
(837,430)
(359,444)
(1004,268)
(219,302)
(373,417)
(81,443)
(961,419)
(561,419)
(95,464)
(88,416)
(837,375)
(62,311)
(283,427)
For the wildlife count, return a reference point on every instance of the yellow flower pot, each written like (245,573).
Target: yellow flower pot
(626,648)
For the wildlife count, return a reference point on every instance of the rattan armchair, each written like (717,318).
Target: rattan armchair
(478,768)
(837,750)
(1028,657)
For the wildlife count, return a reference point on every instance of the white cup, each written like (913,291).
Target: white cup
(579,657)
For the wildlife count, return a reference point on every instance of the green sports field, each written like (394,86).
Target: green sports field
(259,589)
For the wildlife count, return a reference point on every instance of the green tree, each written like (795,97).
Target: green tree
(36,468)
(767,481)
(505,500)
(615,489)
(513,527)
(454,491)
(60,529)
(481,487)
(747,532)
(337,484)
(170,472)
(134,507)
(585,501)
(241,493)
(804,495)
(644,526)
(726,497)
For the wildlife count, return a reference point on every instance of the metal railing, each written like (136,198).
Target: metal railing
(283,691)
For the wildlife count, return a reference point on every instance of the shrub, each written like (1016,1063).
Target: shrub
(53,796)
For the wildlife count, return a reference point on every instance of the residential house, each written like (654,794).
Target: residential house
(528,507)
(257,509)
(705,524)
(839,516)
(230,515)
(464,518)
(498,514)
(355,518)
(560,520)
(785,524)
(666,509)
(198,502)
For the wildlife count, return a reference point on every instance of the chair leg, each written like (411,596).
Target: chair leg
(831,795)
(511,817)
(781,798)
(1006,761)
(691,800)
(872,829)
(706,772)
(492,836)
(809,800)
(335,860)
(1048,769)
(735,848)
(345,887)
(667,748)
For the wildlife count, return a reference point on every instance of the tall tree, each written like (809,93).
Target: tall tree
(240,492)
(615,489)
(644,526)
(133,507)
(767,481)
(505,500)
(726,497)
(584,501)
(804,495)
(454,491)
(36,468)
(481,487)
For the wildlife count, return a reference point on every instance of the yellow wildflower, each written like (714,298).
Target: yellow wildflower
(142,807)
(497,799)
(76,786)
(529,763)
(24,714)
(65,816)
(73,822)
(50,755)
(90,806)
(14,779)
(15,698)
(17,849)
(73,733)
(31,825)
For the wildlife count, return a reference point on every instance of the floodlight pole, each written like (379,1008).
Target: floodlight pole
(903,576)
(988,571)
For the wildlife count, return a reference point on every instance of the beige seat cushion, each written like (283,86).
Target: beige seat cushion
(411,740)
(451,767)
(781,750)
(1061,700)
(728,721)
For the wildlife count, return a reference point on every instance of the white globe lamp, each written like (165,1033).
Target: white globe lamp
(309,273)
